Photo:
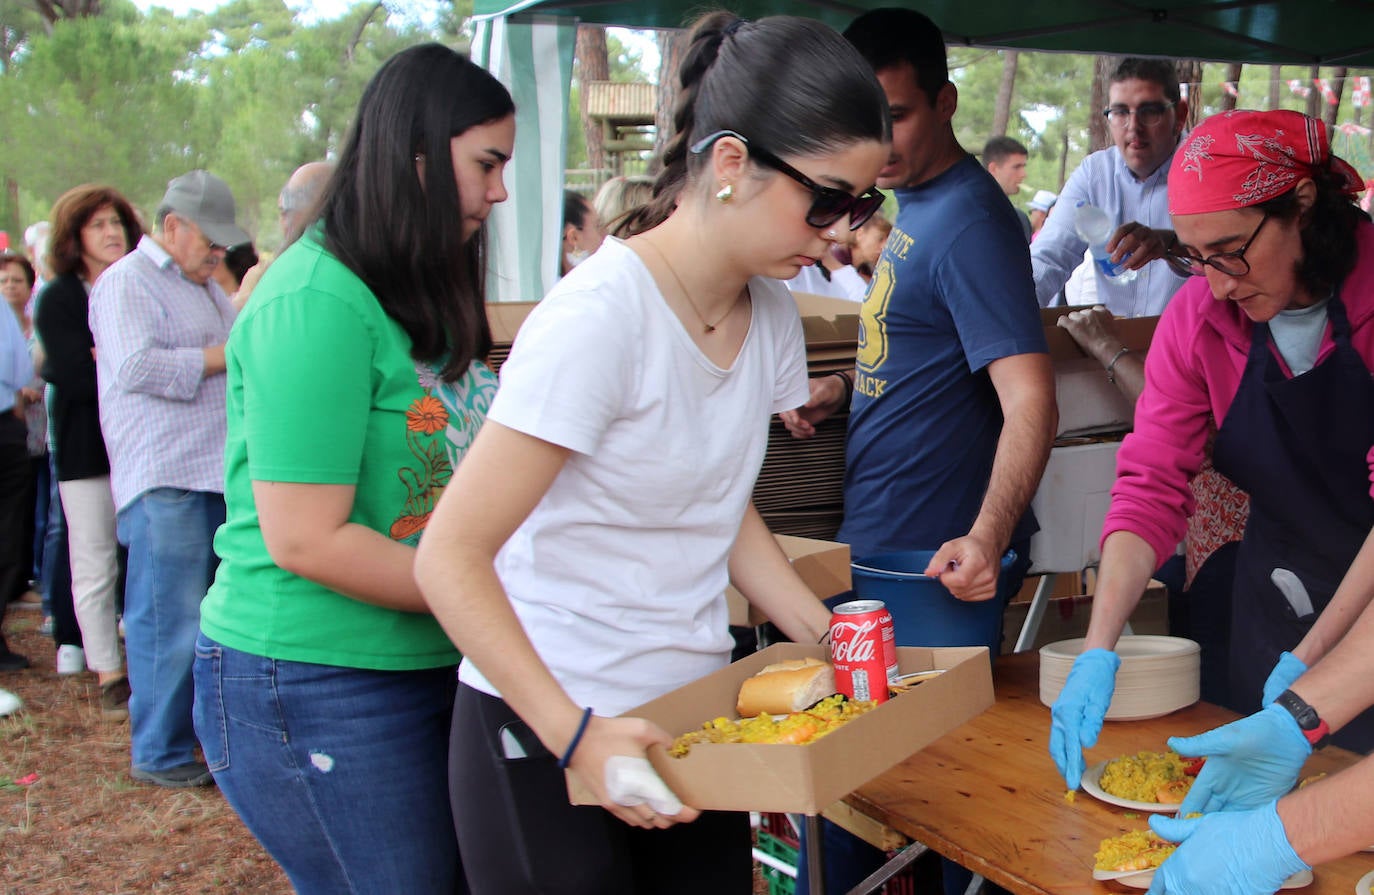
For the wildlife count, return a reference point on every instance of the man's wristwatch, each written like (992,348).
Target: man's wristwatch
(1311,724)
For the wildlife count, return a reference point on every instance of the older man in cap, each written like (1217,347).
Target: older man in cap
(160,323)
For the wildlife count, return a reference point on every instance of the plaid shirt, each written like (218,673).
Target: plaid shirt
(163,421)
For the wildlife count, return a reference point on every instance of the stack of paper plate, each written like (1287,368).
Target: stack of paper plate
(1158,675)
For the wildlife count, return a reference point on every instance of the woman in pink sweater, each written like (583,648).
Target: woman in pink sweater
(1272,342)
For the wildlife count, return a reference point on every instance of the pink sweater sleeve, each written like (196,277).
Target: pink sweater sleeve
(1151,497)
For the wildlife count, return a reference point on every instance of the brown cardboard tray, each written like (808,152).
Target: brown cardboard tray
(806,779)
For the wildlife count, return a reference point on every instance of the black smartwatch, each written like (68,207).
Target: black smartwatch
(1311,724)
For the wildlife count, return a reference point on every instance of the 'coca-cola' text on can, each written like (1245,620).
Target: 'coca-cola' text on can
(863,649)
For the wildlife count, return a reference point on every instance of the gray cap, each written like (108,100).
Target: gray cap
(205,200)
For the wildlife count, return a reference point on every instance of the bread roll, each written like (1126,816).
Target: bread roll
(786,687)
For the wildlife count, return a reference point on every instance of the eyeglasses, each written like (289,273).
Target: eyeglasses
(828,204)
(1233,264)
(1147,114)
(209,243)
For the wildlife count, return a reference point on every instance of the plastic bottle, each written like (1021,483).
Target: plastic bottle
(1094,227)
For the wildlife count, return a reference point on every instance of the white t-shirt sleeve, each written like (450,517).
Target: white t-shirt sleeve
(790,389)
(568,372)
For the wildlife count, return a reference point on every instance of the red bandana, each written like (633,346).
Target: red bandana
(1242,158)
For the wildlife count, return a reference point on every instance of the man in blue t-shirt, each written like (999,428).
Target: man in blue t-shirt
(953,412)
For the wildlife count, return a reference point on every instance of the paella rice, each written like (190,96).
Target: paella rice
(795,728)
(1136,850)
(1156,777)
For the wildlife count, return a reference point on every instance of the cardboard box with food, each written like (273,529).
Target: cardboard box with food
(806,778)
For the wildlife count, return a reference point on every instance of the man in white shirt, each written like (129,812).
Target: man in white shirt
(1128,181)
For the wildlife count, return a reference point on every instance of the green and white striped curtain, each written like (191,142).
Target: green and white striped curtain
(533,57)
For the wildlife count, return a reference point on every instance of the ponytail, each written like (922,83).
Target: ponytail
(703,48)
(790,85)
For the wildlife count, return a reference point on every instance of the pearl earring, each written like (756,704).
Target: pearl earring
(831,235)
(726,193)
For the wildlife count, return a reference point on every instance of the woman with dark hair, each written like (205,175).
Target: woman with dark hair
(581,554)
(1273,341)
(324,687)
(582,231)
(229,273)
(92,227)
(18,483)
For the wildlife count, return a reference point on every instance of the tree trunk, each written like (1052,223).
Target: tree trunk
(592,65)
(1064,161)
(1190,82)
(1276,86)
(1314,96)
(351,50)
(671,46)
(1001,115)
(1329,110)
(1232,76)
(1099,136)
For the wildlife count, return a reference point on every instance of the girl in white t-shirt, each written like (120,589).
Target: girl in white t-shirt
(580,555)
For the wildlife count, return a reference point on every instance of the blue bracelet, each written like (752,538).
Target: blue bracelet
(577,738)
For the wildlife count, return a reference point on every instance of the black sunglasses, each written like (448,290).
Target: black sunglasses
(1232,263)
(828,204)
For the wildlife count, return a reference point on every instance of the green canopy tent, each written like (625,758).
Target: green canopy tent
(529,43)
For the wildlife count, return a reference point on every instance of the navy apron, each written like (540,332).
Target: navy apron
(1299,447)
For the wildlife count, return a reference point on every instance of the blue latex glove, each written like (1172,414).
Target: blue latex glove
(1228,853)
(1078,712)
(1288,669)
(1250,762)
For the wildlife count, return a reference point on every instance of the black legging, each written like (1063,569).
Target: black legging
(518,834)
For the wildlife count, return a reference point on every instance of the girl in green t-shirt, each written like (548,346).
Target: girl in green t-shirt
(324,687)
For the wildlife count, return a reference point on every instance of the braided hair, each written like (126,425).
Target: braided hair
(793,86)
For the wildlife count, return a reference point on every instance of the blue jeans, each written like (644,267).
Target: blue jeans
(44,487)
(341,773)
(171,563)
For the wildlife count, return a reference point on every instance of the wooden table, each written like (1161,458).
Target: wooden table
(988,795)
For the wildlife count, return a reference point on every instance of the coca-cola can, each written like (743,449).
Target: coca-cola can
(863,649)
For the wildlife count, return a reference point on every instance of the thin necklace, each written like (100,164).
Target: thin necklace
(709,327)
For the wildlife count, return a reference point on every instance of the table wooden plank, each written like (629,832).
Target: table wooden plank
(988,795)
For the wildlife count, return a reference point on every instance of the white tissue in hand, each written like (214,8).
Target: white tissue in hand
(633,781)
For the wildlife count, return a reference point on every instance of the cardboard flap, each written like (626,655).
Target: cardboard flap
(827,320)
(505,317)
(1135,333)
(1089,403)
(822,565)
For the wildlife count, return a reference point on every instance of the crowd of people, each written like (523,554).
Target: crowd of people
(383,604)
